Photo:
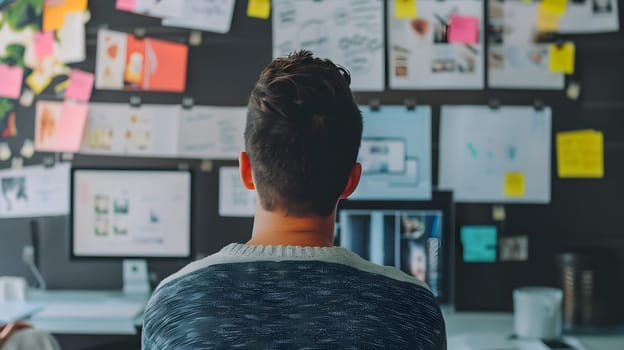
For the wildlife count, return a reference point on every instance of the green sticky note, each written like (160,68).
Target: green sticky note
(479,243)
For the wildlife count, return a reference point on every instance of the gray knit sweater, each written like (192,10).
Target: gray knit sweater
(278,297)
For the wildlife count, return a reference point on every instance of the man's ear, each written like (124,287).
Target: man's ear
(246,174)
(353,181)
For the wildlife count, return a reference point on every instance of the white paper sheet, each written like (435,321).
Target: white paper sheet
(160,8)
(34,191)
(71,44)
(480,145)
(212,132)
(207,15)
(420,55)
(590,16)
(234,199)
(120,129)
(397,124)
(517,57)
(349,32)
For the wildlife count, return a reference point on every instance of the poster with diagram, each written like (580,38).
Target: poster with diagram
(590,16)
(349,32)
(395,154)
(121,129)
(423,56)
(496,155)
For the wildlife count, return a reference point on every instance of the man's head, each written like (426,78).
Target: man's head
(302,136)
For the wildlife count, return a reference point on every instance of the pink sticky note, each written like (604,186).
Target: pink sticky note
(463,29)
(44,44)
(125,5)
(80,85)
(71,126)
(11,82)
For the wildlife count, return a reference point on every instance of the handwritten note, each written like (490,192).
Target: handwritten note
(463,29)
(580,154)
(125,5)
(44,44)
(562,58)
(259,9)
(405,9)
(11,82)
(71,126)
(557,7)
(514,184)
(479,243)
(208,15)
(80,85)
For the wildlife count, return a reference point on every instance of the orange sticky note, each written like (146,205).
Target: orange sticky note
(561,58)
(259,9)
(405,9)
(514,184)
(54,14)
(166,70)
(71,126)
(53,17)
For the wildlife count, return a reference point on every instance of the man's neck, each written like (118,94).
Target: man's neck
(276,228)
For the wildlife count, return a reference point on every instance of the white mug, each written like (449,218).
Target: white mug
(537,312)
(12,289)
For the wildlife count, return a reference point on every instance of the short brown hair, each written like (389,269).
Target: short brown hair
(302,135)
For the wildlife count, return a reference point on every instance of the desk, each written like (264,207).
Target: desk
(86,324)
(459,323)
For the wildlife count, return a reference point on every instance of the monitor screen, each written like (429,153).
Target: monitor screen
(403,236)
(131,213)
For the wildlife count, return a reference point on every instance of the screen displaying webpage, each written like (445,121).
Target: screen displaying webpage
(131,213)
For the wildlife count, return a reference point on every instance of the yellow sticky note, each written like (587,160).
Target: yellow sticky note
(547,22)
(562,58)
(556,7)
(514,184)
(580,154)
(405,9)
(259,8)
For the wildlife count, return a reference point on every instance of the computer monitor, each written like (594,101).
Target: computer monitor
(414,236)
(130,213)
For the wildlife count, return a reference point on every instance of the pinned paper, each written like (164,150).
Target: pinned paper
(11,82)
(80,85)
(556,7)
(259,9)
(71,126)
(479,243)
(10,128)
(405,9)
(463,29)
(44,44)
(514,248)
(580,154)
(514,184)
(125,5)
(27,98)
(562,58)
(547,22)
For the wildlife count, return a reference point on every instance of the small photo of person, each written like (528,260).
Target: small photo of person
(414,259)
(412,226)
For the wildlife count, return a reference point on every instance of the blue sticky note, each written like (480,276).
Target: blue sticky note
(479,243)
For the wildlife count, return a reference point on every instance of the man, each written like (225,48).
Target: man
(288,287)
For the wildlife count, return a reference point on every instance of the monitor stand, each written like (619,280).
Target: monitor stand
(135,277)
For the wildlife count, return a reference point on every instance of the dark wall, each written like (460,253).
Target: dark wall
(582,213)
